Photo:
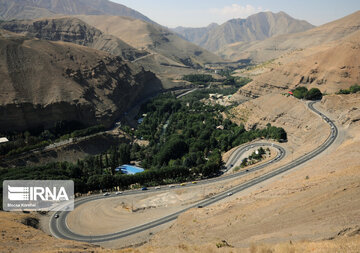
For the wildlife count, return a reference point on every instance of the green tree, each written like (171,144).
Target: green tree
(314,94)
(300,92)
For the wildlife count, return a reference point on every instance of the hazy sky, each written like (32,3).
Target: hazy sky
(197,13)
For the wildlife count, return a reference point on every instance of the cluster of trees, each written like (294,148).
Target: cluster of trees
(85,132)
(29,140)
(304,93)
(253,158)
(193,135)
(353,89)
(22,142)
(186,139)
(199,78)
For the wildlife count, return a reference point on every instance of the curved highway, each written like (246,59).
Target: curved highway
(59,228)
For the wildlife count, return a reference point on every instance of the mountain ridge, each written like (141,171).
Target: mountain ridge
(271,48)
(330,63)
(26,9)
(157,40)
(256,27)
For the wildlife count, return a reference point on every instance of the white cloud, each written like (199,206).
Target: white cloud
(235,11)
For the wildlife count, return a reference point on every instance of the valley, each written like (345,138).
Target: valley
(240,136)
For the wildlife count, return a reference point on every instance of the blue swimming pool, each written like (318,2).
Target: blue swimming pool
(129,169)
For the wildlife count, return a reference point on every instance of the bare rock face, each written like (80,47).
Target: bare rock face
(73,30)
(45,82)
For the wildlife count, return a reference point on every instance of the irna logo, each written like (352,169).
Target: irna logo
(37,193)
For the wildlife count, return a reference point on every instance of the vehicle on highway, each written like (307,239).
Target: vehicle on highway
(230,193)
(118,193)
(231,165)
(200,206)
(194,182)
(157,188)
(56,216)
(144,189)
(183,184)
(106,194)
(171,186)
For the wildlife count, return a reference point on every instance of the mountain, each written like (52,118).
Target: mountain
(44,82)
(31,9)
(256,27)
(164,46)
(198,36)
(279,45)
(331,63)
(149,45)
(69,29)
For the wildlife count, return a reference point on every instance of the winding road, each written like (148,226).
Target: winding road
(59,228)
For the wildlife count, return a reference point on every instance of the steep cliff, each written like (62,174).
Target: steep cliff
(43,82)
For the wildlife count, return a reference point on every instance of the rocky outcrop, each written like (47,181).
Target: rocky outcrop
(73,30)
(44,82)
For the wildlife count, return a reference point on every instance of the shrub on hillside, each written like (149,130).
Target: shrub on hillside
(353,89)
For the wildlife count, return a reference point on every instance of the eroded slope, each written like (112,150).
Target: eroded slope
(44,82)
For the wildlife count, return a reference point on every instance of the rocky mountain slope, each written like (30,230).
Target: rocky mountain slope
(153,38)
(26,9)
(329,67)
(69,29)
(277,46)
(256,27)
(44,82)
(148,45)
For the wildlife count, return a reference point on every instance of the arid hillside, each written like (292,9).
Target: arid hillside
(329,67)
(256,27)
(277,46)
(44,82)
(21,236)
(69,29)
(153,38)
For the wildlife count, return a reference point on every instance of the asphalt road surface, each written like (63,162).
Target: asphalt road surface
(59,228)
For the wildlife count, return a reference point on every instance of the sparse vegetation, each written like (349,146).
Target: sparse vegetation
(223,244)
(353,89)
